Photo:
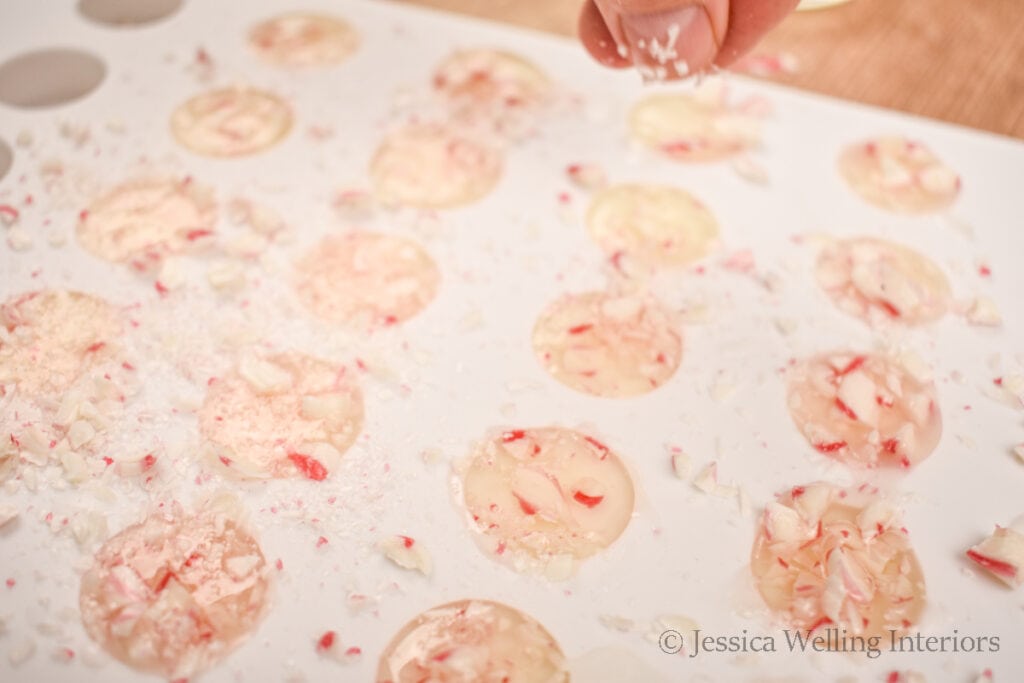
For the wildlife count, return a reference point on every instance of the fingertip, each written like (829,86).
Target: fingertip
(598,40)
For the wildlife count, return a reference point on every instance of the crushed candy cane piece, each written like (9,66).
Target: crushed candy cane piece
(587,176)
(681,465)
(21,651)
(616,623)
(1002,555)
(264,376)
(706,481)
(19,240)
(8,513)
(226,275)
(984,312)
(751,171)
(407,553)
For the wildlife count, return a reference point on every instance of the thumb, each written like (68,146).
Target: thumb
(674,38)
(667,38)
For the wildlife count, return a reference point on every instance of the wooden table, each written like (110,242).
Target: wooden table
(946,59)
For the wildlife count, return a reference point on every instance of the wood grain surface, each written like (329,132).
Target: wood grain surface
(954,60)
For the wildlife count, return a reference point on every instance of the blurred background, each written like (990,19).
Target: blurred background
(952,60)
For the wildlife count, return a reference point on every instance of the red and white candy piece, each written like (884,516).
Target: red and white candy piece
(547,494)
(433,166)
(826,556)
(609,345)
(143,221)
(286,415)
(984,312)
(472,641)
(653,225)
(231,122)
(1002,556)
(587,176)
(175,593)
(301,39)
(899,175)
(877,280)
(864,409)
(407,553)
(385,279)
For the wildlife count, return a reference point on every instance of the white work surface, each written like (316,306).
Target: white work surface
(465,365)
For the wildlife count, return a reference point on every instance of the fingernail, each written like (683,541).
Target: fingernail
(672,43)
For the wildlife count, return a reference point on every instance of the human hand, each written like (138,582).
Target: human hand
(670,39)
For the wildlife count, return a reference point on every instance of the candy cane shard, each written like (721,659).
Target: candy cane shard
(1002,556)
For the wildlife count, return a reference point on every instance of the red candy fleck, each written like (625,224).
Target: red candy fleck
(525,505)
(824,621)
(161,288)
(830,447)
(407,542)
(584,499)
(512,435)
(199,233)
(889,308)
(580,329)
(599,446)
(326,641)
(95,347)
(845,409)
(852,365)
(995,566)
(310,467)
(164,580)
(321,542)
(676,147)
